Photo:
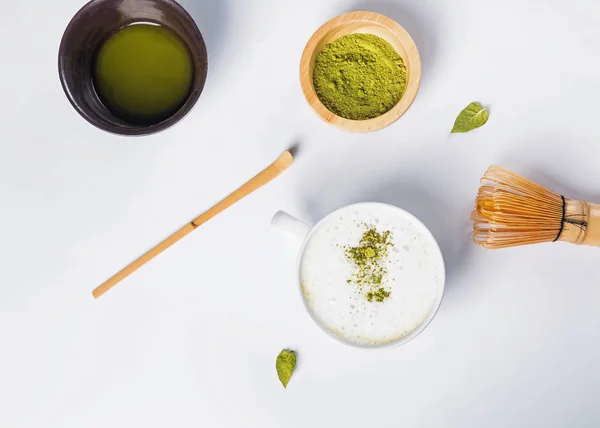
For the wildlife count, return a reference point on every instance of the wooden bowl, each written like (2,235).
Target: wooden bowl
(371,23)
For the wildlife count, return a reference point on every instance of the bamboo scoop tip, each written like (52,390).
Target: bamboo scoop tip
(285,160)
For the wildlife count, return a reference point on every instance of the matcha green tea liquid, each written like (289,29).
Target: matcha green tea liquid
(143,73)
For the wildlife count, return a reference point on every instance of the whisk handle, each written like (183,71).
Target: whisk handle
(584,227)
(592,236)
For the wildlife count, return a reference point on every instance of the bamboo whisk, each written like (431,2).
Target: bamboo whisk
(511,210)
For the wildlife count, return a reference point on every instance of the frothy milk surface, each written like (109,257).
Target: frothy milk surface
(415,276)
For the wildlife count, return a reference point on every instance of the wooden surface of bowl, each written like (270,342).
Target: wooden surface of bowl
(370,23)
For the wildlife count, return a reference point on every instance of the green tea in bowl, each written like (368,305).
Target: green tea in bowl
(132,68)
(143,73)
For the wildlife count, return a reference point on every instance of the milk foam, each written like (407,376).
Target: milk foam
(415,276)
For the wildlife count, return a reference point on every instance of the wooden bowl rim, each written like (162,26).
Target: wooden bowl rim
(412,61)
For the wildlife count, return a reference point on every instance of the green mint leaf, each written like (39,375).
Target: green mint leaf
(473,116)
(285,365)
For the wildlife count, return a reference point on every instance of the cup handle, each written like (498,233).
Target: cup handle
(290,227)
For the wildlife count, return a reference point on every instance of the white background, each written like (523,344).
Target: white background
(190,340)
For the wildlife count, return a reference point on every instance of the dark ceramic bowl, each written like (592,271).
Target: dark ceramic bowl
(91,26)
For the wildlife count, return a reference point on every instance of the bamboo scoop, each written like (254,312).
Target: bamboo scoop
(259,180)
(511,210)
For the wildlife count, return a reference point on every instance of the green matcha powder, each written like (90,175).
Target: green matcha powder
(369,260)
(359,76)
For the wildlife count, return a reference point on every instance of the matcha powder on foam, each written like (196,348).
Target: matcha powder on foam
(359,76)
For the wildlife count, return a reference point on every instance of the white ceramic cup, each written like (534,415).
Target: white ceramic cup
(300,234)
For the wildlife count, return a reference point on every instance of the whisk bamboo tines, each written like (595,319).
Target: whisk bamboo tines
(511,210)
